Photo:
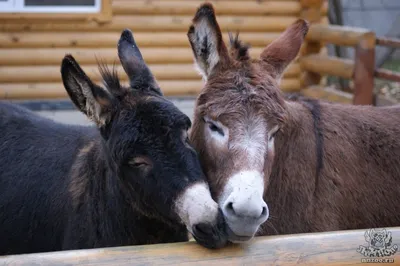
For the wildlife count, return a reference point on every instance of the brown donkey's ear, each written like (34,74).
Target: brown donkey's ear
(285,48)
(206,40)
(92,100)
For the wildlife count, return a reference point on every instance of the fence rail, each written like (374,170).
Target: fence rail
(329,248)
(361,70)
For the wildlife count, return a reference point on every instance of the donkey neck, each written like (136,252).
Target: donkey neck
(99,194)
(295,168)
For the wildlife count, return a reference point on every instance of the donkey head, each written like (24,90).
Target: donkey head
(146,144)
(238,114)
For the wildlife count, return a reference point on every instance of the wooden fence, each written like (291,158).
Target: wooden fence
(325,249)
(361,70)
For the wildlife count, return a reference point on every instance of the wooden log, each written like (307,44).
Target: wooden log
(318,249)
(339,35)
(45,57)
(109,39)
(388,42)
(14,91)
(364,69)
(328,94)
(26,57)
(56,90)
(138,23)
(144,7)
(17,74)
(324,8)
(387,74)
(328,65)
(311,3)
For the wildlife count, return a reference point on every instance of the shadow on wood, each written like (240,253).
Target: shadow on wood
(328,248)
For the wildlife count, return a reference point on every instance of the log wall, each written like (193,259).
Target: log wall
(31,50)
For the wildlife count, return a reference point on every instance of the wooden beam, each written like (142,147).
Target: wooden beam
(339,35)
(328,94)
(387,74)
(157,7)
(364,69)
(169,87)
(109,39)
(158,23)
(328,65)
(324,249)
(388,42)
(45,56)
(18,74)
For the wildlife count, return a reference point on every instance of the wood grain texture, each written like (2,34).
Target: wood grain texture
(109,39)
(174,7)
(31,49)
(328,65)
(51,73)
(43,56)
(53,90)
(339,35)
(153,23)
(325,249)
(327,94)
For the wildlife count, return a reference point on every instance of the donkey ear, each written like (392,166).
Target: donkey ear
(285,48)
(206,40)
(89,98)
(139,74)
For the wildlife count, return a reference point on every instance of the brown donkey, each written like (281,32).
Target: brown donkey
(314,166)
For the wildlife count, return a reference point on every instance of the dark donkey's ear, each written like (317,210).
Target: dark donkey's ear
(285,48)
(139,74)
(206,40)
(90,99)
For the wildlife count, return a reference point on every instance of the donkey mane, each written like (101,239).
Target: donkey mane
(314,106)
(239,50)
(110,76)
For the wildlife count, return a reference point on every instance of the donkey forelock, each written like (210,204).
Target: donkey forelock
(238,113)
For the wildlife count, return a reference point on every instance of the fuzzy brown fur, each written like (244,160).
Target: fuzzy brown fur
(334,167)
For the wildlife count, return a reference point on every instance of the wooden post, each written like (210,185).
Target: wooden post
(312,11)
(364,70)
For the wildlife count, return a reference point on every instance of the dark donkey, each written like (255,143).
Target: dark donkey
(314,166)
(133,179)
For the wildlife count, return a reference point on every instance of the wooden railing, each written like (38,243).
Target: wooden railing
(328,248)
(361,70)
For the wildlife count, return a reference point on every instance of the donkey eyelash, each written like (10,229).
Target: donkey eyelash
(273,134)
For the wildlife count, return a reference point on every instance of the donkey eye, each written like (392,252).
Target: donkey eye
(215,128)
(272,135)
(137,163)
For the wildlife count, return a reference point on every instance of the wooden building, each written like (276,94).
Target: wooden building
(34,38)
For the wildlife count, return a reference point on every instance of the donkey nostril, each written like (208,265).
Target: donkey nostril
(229,207)
(264,211)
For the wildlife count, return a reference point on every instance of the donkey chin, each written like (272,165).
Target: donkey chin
(202,216)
